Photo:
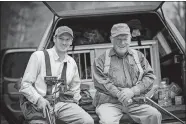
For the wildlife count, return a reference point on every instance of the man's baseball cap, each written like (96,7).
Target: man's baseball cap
(64,29)
(120,28)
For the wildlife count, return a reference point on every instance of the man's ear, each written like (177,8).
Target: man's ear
(71,42)
(54,39)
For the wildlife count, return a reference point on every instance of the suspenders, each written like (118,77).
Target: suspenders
(47,63)
(49,74)
(136,59)
(63,96)
(107,62)
(63,75)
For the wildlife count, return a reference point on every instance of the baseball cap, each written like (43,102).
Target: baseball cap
(120,28)
(64,29)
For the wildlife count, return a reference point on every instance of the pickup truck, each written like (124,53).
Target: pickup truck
(91,22)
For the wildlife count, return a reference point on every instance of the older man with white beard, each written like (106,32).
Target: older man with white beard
(119,84)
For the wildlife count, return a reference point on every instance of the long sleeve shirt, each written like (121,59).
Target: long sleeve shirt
(33,85)
(108,85)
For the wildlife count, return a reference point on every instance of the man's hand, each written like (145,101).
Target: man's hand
(125,95)
(43,104)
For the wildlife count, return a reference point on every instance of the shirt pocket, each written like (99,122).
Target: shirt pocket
(116,75)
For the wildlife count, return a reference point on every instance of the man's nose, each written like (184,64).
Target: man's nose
(65,42)
(123,42)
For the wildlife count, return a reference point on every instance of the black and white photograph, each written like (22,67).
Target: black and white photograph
(93,62)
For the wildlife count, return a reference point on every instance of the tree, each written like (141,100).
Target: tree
(22,23)
(179,19)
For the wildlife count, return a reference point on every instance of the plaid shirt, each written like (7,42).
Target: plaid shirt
(108,85)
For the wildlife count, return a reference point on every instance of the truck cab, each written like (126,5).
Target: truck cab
(160,42)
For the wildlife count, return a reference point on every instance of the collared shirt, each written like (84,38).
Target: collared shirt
(33,85)
(118,78)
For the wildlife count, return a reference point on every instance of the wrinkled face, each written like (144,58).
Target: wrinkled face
(121,43)
(63,42)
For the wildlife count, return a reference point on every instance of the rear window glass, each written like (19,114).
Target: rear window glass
(14,64)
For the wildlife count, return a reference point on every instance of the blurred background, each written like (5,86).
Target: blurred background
(23,23)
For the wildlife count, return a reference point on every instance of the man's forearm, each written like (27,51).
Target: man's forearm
(147,79)
(142,85)
(30,93)
(104,85)
(29,78)
(112,89)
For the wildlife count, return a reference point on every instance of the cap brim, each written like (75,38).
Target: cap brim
(114,35)
(65,32)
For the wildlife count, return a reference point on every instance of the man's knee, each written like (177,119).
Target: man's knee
(155,116)
(108,121)
(109,114)
(149,115)
(155,113)
(88,119)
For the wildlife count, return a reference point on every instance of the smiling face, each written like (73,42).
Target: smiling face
(121,43)
(63,42)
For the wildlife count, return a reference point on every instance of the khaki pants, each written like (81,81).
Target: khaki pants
(69,113)
(143,114)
